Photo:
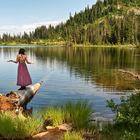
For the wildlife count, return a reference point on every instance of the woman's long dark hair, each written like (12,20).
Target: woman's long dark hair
(21,51)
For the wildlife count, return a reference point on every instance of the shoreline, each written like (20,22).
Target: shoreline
(71,45)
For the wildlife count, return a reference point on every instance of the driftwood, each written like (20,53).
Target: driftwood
(136,76)
(16,99)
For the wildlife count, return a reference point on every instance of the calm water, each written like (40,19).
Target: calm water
(74,74)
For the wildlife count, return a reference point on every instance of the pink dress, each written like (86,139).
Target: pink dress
(23,77)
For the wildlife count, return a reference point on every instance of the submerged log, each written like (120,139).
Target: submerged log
(136,76)
(20,98)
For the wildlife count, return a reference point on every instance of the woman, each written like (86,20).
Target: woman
(23,77)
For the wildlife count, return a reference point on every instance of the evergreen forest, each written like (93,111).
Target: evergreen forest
(106,22)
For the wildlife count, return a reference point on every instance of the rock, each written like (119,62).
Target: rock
(48,122)
(50,128)
(40,135)
(54,134)
(65,127)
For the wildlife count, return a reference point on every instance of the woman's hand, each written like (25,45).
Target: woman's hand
(12,61)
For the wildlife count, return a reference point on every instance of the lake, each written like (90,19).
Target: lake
(72,74)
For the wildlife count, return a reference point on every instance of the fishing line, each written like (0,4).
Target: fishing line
(46,77)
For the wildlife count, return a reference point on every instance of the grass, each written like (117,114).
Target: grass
(106,45)
(13,127)
(63,43)
(78,114)
(110,132)
(71,136)
(114,132)
(55,114)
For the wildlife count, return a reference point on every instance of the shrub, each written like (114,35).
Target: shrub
(127,115)
(128,111)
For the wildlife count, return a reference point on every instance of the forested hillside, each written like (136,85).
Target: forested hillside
(106,22)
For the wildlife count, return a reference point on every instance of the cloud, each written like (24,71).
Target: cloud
(17,29)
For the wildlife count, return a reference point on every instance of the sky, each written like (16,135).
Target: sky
(17,16)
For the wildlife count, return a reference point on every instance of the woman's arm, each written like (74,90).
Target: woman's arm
(12,61)
(17,59)
(28,62)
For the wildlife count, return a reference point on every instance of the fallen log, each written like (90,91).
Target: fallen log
(25,96)
(20,98)
(136,76)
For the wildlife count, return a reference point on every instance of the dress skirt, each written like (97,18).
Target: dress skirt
(23,77)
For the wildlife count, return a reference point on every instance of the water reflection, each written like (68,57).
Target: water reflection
(97,65)
(74,73)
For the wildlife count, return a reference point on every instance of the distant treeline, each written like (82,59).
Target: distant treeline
(106,22)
